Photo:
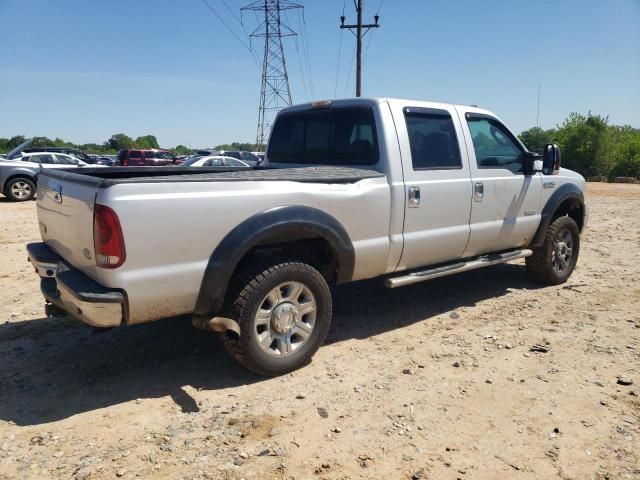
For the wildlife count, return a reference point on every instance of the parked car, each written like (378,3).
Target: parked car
(403,190)
(215,161)
(102,160)
(75,152)
(243,155)
(145,158)
(18,175)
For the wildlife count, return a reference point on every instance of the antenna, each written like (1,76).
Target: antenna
(538,114)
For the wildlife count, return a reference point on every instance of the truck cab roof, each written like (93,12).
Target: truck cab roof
(373,101)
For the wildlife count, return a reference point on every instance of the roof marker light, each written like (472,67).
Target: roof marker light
(321,103)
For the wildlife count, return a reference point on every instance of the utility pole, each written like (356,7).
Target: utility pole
(275,93)
(359,35)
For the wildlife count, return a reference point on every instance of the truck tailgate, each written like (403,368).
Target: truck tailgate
(65,216)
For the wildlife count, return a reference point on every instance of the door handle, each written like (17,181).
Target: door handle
(414,196)
(478,191)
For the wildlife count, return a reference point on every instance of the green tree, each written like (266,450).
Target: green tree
(181,150)
(536,138)
(250,147)
(120,141)
(586,144)
(146,142)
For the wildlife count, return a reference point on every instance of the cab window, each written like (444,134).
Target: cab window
(341,136)
(494,145)
(433,141)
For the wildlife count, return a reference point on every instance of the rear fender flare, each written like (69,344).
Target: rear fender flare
(279,221)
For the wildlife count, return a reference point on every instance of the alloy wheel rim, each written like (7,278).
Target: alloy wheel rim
(21,190)
(285,319)
(562,251)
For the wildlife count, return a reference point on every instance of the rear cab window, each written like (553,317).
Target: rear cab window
(339,136)
(432,138)
(135,154)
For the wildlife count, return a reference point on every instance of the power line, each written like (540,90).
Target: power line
(301,64)
(305,47)
(366,51)
(335,88)
(226,25)
(302,75)
(346,85)
(239,20)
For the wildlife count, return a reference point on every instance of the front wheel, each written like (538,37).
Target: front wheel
(554,261)
(284,313)
(20,189)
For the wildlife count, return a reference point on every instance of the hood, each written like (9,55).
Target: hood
(19,148)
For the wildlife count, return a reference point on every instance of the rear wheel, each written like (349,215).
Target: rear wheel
(20,189)
(284,313)
(554,261)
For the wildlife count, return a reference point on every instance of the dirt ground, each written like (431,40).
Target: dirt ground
(432,381)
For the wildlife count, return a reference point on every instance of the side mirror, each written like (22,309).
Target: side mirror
(532,163)
(551,159)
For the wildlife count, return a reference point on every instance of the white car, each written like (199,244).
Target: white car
(52,160)
(215,161)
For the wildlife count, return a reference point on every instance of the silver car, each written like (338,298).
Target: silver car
(18,174)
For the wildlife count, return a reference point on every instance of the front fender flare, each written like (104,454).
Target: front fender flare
(566,192)
(276,221)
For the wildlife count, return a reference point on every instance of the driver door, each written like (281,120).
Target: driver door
(506,203)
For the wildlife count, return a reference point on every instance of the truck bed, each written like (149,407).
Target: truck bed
(106,177)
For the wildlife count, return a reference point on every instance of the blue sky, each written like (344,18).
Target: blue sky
(83,70)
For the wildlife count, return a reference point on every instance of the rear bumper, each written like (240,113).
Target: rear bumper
(71,290)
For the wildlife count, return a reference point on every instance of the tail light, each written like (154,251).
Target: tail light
(108,240)
(125,162)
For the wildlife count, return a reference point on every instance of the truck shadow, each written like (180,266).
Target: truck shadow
(51,369)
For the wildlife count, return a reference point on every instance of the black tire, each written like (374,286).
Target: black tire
(26,191)
(247,294)
(546,264)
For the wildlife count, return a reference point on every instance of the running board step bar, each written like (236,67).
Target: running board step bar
(458,267)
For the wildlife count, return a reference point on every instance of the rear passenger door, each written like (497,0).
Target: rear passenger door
(437,185)
(506,203)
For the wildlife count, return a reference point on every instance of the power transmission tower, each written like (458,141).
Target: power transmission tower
(358,33)
(275,93)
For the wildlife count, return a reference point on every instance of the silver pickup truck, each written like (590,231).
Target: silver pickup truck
(350,189)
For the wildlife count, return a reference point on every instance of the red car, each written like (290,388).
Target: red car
(145,158)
